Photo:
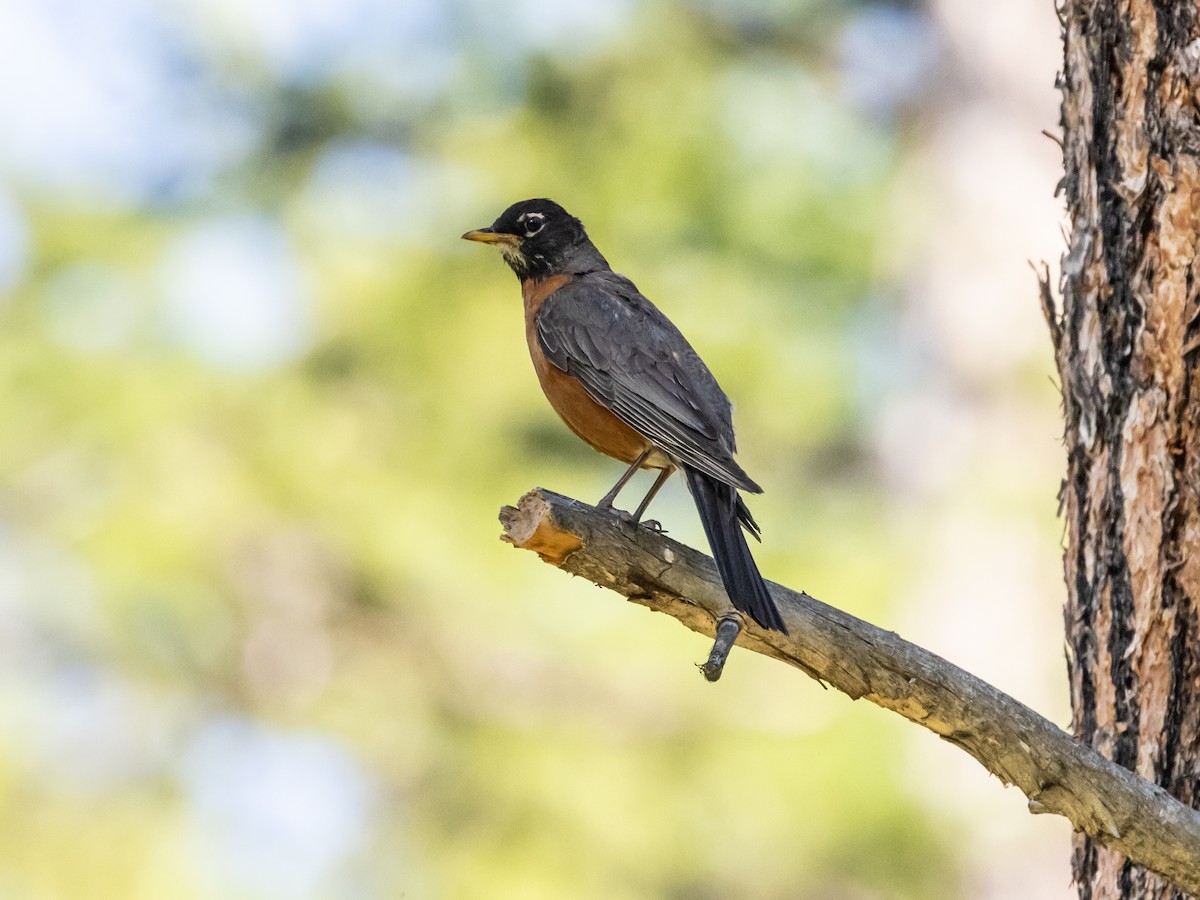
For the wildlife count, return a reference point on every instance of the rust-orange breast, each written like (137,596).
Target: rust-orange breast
(597,426)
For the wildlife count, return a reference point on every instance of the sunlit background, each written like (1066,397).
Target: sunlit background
(259,407)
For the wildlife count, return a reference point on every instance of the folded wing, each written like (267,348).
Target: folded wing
(633,361)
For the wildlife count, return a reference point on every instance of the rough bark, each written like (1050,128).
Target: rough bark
(1057,773)
(1126,348)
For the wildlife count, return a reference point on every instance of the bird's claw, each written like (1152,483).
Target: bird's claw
(627,517)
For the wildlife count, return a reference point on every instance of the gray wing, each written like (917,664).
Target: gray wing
(631,360)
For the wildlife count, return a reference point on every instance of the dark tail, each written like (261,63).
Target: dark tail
(723,514)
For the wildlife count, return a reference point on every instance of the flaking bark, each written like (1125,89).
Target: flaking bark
(1126,348)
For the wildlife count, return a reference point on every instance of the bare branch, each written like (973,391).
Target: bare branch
(1049,310)
(1057,774)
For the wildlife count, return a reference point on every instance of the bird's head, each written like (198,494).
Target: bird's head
(539,238)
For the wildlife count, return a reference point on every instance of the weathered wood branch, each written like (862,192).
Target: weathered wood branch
(1057,773)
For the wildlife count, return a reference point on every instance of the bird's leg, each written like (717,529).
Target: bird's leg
(663,475)
(606,501)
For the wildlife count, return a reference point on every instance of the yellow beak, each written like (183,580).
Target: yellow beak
(487,236)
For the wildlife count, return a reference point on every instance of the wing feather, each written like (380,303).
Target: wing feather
(633,361)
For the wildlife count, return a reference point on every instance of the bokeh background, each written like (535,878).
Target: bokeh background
(259,407)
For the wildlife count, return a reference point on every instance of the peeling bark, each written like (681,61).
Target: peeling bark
(1126,348)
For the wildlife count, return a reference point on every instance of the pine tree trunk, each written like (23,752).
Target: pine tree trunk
(1128,350)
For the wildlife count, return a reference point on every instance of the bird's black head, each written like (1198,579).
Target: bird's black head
(539,238)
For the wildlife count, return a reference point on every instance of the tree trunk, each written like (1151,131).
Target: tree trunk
(1127,348)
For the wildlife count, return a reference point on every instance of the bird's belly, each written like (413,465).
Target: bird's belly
(591,422)
(595,425)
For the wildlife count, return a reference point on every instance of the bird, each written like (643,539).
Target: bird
(626,381)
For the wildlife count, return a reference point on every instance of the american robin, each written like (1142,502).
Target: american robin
(624,379)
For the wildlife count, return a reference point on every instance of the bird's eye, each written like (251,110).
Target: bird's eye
(533,224)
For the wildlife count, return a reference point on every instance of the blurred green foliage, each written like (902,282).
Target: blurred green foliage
(306,546)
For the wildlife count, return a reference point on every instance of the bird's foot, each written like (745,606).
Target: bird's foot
(623,514)
(627,517)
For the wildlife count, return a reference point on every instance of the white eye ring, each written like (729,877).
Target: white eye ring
(533,223)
